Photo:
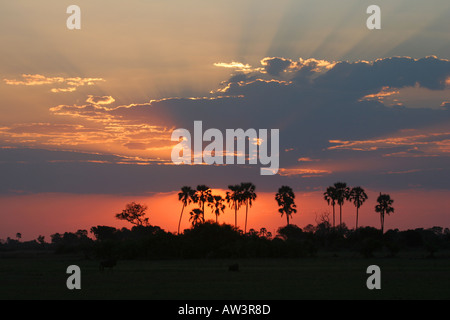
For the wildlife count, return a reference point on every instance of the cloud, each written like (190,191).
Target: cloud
(69,84)
(445,104)
(274,66)
(304,172)
(395,72)
(333,121)
(100,99)
(324,106)
(418,144)
(118,137)
(238,66)
(381,95)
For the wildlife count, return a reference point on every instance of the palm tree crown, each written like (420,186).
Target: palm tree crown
(384,206)
(196,217)
(217,205)
(248,195)
(342,194)
(234,199)
(331,196)
(358,196)
(285,198)
(186,196)
(203,195)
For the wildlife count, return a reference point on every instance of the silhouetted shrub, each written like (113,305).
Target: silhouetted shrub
(71,242)
(210,240)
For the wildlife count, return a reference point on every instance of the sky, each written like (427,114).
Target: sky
(86,115)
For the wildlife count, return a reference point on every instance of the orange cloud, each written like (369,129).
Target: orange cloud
(145,141)
(419,144)
(380,96)
(234,65)
(304,172)
(71,84)
(100,99)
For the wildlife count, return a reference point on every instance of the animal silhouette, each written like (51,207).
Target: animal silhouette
(108,263)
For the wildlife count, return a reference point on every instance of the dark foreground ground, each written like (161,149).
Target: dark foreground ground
(328,276)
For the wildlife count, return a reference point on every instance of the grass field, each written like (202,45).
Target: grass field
(324,277)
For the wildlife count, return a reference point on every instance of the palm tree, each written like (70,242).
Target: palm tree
(203,195)
(342,193)
(186,196)
(384,206)
(330,196)
(285,199)
(234,199)
(248,196)
(217,205)
(196,217)
(358,196)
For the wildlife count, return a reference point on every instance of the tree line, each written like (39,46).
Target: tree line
(209,239)
(213,240)
(244,195)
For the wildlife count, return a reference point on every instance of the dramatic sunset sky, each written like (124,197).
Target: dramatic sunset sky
(87,115)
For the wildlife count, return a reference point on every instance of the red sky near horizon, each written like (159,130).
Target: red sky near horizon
(46,214)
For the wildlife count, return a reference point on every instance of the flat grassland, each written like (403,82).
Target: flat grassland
(328,276)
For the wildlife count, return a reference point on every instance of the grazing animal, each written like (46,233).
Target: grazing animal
(109,263)
(233,267)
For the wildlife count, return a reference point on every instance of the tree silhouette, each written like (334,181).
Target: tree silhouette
(331,196)
(203,195)
(186,196)
(217,205)
(358,196)
(342,193)
(384,206)
(134,213)
(41,239)
(285,198)
(264,233)
(248,195)
(197,217)
(234,199)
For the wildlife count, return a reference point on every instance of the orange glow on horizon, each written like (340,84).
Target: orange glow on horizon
(46,214)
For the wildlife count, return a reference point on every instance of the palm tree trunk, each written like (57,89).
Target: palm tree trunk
(287,217)
(340,215)
(203,210)
(179,223)
(357,217)
(235,216)
(382,222)
(334,224)
(246,211)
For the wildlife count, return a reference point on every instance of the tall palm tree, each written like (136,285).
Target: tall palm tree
(384,206)
(186,196)
(248,196)
(234,199)
(358,196)
(217,205)
(285,198)
(342,193)
(330,196)
(203,195)
(196,217)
